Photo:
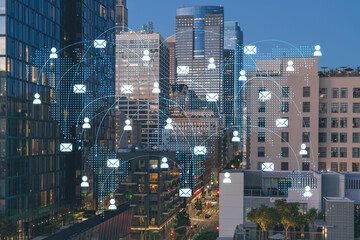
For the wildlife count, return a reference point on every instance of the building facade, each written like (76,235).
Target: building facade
(172,67)
(121,16)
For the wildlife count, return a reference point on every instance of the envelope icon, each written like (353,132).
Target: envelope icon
(100,43)
(183,70)
(79,88)
(66,147)
(212,97)
(185,192)
(250,49)
(282,122)
(267,166)
(264,95)
(113,163)
(199,150)
(127,88)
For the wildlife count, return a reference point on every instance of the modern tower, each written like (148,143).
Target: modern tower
(121,16)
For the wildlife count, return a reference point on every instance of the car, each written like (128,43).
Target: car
(208,215)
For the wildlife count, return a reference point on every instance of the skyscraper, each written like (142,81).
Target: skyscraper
(172,67)
(121,16)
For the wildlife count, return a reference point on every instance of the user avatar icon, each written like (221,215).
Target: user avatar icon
(156,88)
(290,66)
(211,63)
(307,192)
(164,163)
(86,123)
(53,53)
(146,57)
(317,52)
(169,125)
(242,75)
(84,182)
(112,205)
(127,126)
(37,99)
(227,178)
(303,150)
(236,136)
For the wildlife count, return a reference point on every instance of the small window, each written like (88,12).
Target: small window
(343,137)
(285,107)
(322,151)
(356,152)
(261,151)
(356,137)
(334,137)
(334,152)
(356,107)
(334,108)
(306,106)
(261,122)
(284,166)
(322,137)
(306,91)
(343,92)
(335,93)
(259,165)
(355,166)
(306,122)
(323,93)
(285,91)
(262,107)
(322,166)
(322,108)
(284,152)
(343,152)
(334,166)
(356,123)
(261,137)
(343,166)
(343,107)
(334,122)
(305,166)
(356,93)
(322,122)
(305,137)
(343,122)
(284,136)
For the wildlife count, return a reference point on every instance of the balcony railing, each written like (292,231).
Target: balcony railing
(265,193)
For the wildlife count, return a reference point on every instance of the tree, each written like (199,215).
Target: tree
(267,218)
(182,220)
(8,228)
(212,235)
(289,214)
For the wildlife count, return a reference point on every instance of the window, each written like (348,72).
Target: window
(284,152)
(323,93)
(343,137)
(356,93)
(322,151)
(261,137)
(322,122)
(334,108)
(322,137)
(284,137)
(343,166)
(356,123)
(261,151)
(153,188)
(343,92)
(305,137)
(343,152)
(153,177)
(306,91)
(356,152)
(262,107)
(334,137)
(322,108)
(334,122)
(305,166)
(285,107)
(259,165)
(153,164)
(355,166)
(343,107)
(356,107)
(322,166)
(343,122)
(308,153)
(306,122)
(306,106)
(261,122)
(141,188)
(284,166)
(335,93)
(102,11)
(334,152)
(356,137)
(285,92)
(334,166)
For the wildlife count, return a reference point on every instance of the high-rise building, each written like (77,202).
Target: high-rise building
(121,16)
(146,102)
(172,67)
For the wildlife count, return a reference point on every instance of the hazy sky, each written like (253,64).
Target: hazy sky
(333,24)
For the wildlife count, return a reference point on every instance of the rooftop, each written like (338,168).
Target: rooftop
(338,199)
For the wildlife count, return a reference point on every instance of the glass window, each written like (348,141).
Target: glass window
(343,107)
(322,108)
(343,152)
(305,137)
(355,166)
(356,152)
(285,136)
(306,122)
(153,164)
(343,92)
(306,91)
(356,123)
(356,137)
(334,152)
(153,177)
(285,92)
(2,25)
(322,137)
(261,151)
(322,122)
(2,6)
(334,137)
(153,188)
(322,166)
(356,107)
(285,107)
(284,152)
(334,166)
(261,122)
(322,151)
(335,93)
(343,137)
(262,107)
(334,122)
(261,137)
(334,108)
(259,165)
(284,166)
(343,122)
(2,45)
(305,166)
(323,93)
(356,93)
(306,106)
(343,166)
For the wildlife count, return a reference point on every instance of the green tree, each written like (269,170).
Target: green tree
(8,228)
(182,221)
(289,214)
(267,218)
(211,235)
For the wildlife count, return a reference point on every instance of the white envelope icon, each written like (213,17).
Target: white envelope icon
(100,43)
(66,147)
(250,49)
(267,166)
(282,122)
(127,88)
(212,97)
(199,150)
(79,88)
(183,70)
(113,163)
(185,192)
(264,95)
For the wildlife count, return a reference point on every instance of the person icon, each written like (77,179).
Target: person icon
(84,182)
(307,192)
(37,99)
(211,63)
(227,178)
(317,52)
(290,66)
(112,205)
(169,124)
(156,88)
(86,123)
(235,137)
(242,75)
(53,53)
(164,163)
(127,126)
(303,150)
(146,57)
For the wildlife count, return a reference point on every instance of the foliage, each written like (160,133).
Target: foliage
(8,228)
(266,217)
(182,219)
(211,235)
(289,214)
(48,228)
